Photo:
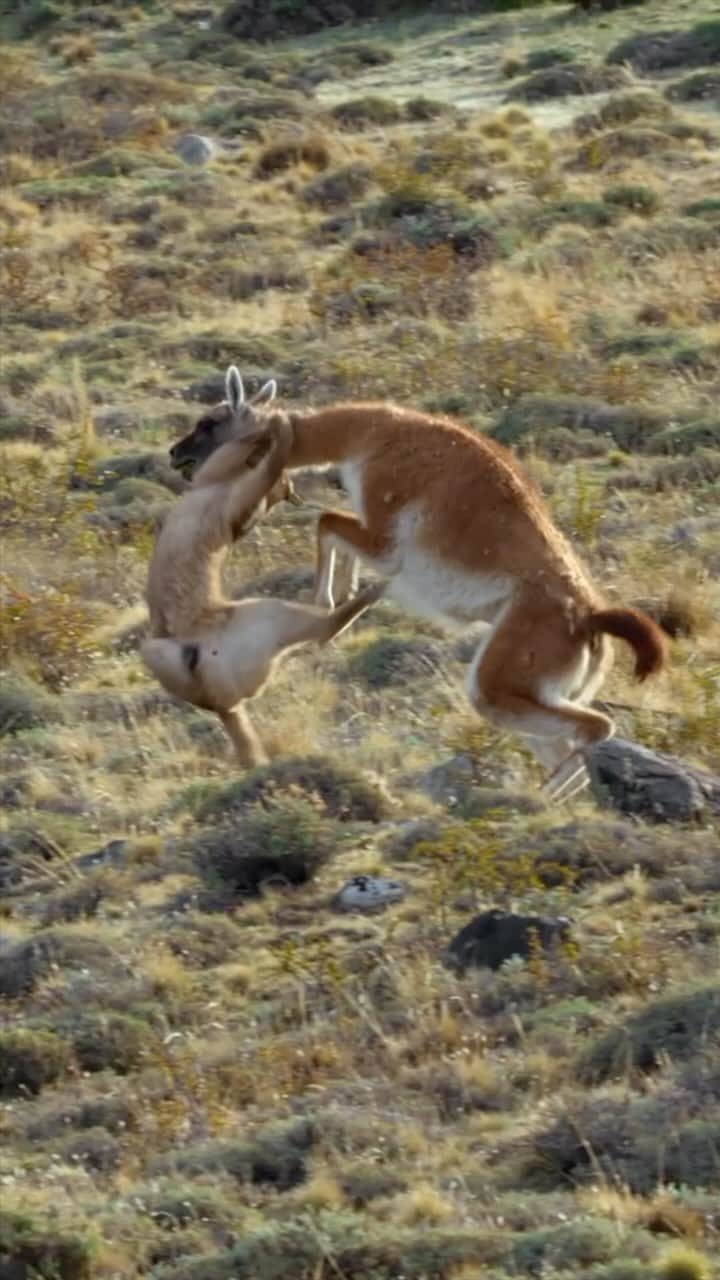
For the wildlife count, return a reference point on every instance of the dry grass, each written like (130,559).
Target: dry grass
(203,1083)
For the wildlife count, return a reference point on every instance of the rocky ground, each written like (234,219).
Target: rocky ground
(239,1033)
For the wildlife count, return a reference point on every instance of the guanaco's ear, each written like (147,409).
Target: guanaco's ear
(234,389)
(266,393)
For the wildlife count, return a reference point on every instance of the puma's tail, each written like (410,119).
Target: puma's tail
(640,632)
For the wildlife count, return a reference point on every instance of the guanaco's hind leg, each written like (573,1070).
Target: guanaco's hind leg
(341,538)
(526,678)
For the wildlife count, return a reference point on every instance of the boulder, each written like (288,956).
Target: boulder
(195,148)
(649,784)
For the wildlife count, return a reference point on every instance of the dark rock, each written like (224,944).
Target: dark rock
(651,785)
(112,854)
(496,936)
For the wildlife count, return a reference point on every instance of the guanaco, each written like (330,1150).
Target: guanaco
(463,536)
(208,650)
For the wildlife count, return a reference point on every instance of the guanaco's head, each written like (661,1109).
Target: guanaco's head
(232,419)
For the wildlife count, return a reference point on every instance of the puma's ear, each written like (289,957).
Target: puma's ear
(234,389)
(266,393)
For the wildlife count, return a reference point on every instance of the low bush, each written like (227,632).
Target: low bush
(29,1060)
(363,113)
(284,842)
(344,792)
(670,1027)
(114,1041)
(24,704)
(34,1249)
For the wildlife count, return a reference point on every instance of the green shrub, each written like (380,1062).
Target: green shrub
(29,961)
(588,213)
(205,940)
(286,841)
(393,659)
(340,187)
(113,1041)
(561,80)
(29,1060)
(660,50)
(94,1149)
(344,792)
(360,113)
(703,84)
(574,1244)
(539,59)
(33,1251)
(638,199)
(363,1183)
(629,426)
(708,207)
(686,438)
(671,1027)
(275,1157)
(25,705)
(682,1262)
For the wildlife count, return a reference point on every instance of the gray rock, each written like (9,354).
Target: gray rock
(368,893)
(649,784)
(195,148)
(496,936)
(450,781)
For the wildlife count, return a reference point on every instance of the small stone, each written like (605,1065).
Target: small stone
(195,148)
(368,893)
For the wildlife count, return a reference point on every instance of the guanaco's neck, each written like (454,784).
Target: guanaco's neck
(334,433)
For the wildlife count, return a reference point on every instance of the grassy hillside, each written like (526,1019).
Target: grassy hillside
(512,217)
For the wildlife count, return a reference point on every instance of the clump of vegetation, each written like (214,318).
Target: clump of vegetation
(32,1248)
(285,152)
(116,1042)
(561,79)
(344,793)
(25,704)
(277,1156)
(364,113)
(670,1027)
(283,842)
(629,426)
(636,198)
(697,46)
(29,1060)
(393,660)
(693,88)
(338,187)
(682,1262)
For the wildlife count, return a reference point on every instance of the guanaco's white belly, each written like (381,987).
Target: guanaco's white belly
(436,588)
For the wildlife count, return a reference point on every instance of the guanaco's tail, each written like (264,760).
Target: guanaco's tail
(640,632)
